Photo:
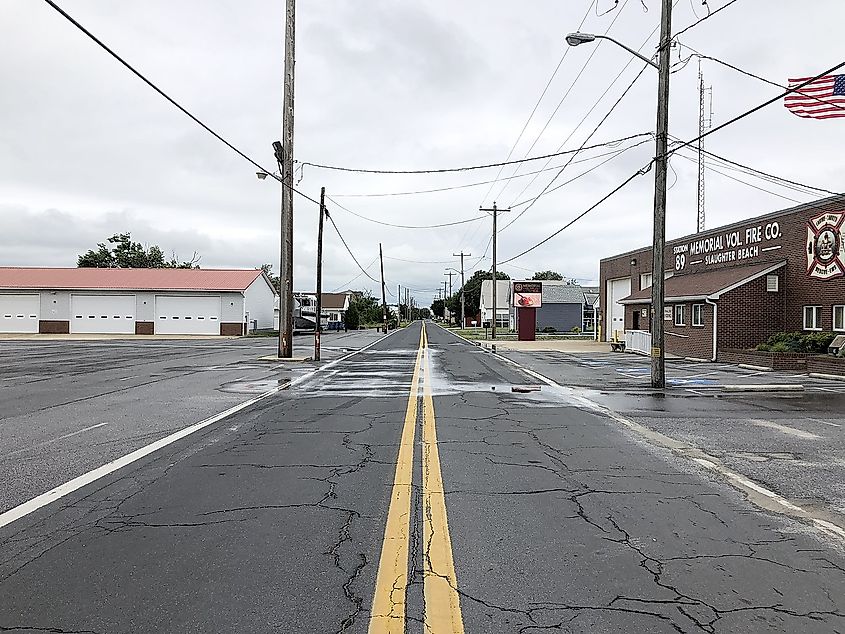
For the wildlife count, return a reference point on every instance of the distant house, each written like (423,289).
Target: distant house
(504,317)
(333,309)
(566,307)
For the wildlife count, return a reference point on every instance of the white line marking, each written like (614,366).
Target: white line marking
(62,490)
(824,422)
(52,440)
(785,429)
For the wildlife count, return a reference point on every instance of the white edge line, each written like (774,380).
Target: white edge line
(62,490)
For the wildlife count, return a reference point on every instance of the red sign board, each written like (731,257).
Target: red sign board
(528,294)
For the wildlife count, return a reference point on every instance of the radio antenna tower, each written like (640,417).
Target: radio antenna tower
(705,122)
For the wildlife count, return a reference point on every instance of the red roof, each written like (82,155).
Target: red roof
(710,284)
(128,279)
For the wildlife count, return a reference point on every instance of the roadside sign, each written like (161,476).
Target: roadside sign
(528,294)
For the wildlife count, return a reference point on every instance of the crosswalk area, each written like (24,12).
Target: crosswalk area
(370,374)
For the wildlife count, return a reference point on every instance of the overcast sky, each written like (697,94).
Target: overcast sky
(87,150)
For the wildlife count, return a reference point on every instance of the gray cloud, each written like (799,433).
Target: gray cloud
(86,150)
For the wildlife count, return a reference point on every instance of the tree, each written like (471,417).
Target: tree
(131,255)
(352,319)
(369,309)
(275,279)
(547,275)
(437,307)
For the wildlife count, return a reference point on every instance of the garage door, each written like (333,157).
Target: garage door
(19,313)
(102,314)
(187,315)
(616,290)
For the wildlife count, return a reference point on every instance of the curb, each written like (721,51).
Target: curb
(759,368)
(833,377)
(787,387)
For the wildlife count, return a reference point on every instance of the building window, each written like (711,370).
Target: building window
(698,314)
(812,317)
(645,280)
(839,318)
(679,315)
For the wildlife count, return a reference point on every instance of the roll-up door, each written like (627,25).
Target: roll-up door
(107,314)
(616,290)
(19,313)
(187,315)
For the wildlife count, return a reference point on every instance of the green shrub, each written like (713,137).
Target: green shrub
(352,319)
(812,343)
(548,329)
(575,330)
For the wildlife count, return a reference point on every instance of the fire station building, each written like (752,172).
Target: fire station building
(733,287)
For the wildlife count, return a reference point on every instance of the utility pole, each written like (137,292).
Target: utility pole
(383,296)
(705,121)
(284,155)
(399,301)
(658,352)
(463,306)
(494,211)
(318,317)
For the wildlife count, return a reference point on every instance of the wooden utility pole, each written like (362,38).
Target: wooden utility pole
(658,336)
(494,211)
(318,318)
(463,306)
(284,154)
(383,296)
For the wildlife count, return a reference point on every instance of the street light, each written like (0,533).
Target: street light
(576,39)
(658,353)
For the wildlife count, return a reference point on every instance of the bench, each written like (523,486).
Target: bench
(617,346)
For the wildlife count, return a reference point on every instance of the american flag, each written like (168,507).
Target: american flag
(823,98)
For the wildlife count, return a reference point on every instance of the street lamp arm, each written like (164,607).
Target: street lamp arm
(576,39)
(630,50)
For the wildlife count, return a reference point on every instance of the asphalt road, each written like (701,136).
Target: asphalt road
(67,407)
(411,477)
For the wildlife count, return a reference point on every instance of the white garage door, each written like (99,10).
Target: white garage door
(108,314)
(187,315)
(616,290)
(19,313)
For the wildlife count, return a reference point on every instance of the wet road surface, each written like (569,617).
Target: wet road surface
(408,488)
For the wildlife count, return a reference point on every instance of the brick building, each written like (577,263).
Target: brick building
(734,286)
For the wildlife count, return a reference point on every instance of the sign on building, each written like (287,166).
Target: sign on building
(528,294)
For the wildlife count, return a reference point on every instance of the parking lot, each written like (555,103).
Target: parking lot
(67,407)
(785,431)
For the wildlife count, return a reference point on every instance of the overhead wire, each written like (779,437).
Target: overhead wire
(477,184)
(173,102)
(539,100)
(556,176)
(707,17)
(566,94)
(596,103)
(398,226)
(343,286)
(348,250)
(618,188)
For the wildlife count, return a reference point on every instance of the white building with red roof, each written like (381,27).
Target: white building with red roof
(134,301)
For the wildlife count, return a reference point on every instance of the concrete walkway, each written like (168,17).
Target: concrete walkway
(559,345)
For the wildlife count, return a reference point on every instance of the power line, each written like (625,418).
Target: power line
(707,17)
(571,180)
(468,185)
(340,235)
(341,287)
(390,224)
(639,172)
(537,105)
(172,101)
(592,54)
(757,108)
(445,170)
(556,176)
(595,105)
(757,77)
(387,257)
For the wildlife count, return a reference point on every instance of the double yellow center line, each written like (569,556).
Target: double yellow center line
(440,586)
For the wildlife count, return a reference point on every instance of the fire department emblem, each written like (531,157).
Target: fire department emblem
(826,246)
